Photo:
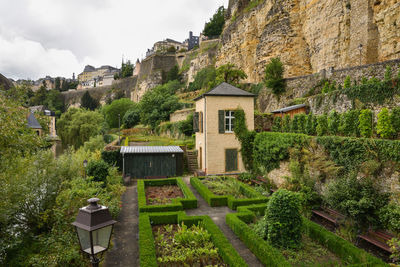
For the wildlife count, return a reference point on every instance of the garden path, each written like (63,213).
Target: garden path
(125,251)
(217,214)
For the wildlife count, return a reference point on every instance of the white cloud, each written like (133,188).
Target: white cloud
(47,37)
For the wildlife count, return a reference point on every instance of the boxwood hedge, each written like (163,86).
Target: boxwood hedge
(270,256)
(147,251)
(188,202)
(213,200)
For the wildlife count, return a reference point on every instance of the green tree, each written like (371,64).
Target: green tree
(286,124)
(54,101)
(365,123)
(274,76)
(284,222)
(333,122)
(216,24)
(349,123)
(126,69)
(322,127)
(39,97)
(301,123)
(384,126)
(98,169)
(76,126)
(173,74)
(228,73)
(157,104)
(310,125)
(88,102)
(116,110)
(203,78)
(57,84)
(132,116)
(294,128)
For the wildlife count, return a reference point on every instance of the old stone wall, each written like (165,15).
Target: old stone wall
(102,93)
(180,115)
(299,87)
(309,35)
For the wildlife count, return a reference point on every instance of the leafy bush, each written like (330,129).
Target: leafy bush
(274,76)
(95,143)
(286,125)
(365,123)
(116,110)
(246,139)
(284,222)
(203,79)
(384,126)
(277,124)
(390,217)
(360,199)
(395,120)
(132,116)
(301,123)
(310,129)
(329,87)
(294,127)
(173,74)
(216,24)
(322,127)
(186,127)
(333,122)
(349,123)
(112,158)
(98,169)
(347,82)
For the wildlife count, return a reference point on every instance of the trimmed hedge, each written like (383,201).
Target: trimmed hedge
(147,251)
(213,200)
(270,256)
(112,157)
(188,202)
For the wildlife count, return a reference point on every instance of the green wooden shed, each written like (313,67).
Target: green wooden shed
(152,161)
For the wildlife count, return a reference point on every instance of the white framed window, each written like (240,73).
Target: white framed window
(229,121)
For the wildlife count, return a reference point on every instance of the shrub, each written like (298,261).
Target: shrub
(116,110)
(274,76)
(286,124)
(203,78)
(310,125)
(98,169)
(365,123)
(333,122)
(349,123)
(322,127)
(284,222)
(395,119)
(94,144)
(112,158)
(360,199)
(186,127)
(384,126)
(277,125)
(132,117)
(347,83)
(390,217)
(301,123)
(294,124)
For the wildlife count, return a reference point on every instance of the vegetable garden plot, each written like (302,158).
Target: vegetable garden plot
(226,191)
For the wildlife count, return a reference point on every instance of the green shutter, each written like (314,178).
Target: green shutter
(196,122)
(221,121)
(231,160)
(201,122)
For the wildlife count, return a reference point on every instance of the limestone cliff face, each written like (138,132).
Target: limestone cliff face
(310,35)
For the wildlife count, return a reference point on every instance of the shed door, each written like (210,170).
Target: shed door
(142,165)
(231,160)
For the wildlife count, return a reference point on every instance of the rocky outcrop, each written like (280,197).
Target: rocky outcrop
(309,35)
(5,83)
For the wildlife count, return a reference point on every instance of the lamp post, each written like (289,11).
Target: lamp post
(84,166)
(94,226)
(360,47)
(119,128)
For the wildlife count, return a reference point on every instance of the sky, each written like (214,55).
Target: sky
(60,37)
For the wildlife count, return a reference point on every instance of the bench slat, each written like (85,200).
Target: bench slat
(325,215)
(375,242)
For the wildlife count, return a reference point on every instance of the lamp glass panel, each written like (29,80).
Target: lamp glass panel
(84,239)
(101,238)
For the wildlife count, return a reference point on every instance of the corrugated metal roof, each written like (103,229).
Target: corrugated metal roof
(150,149)
(289,108)
(225,89)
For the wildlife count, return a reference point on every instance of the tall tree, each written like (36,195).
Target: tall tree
(216,24)
(274,76)
(57,83)
(117,107)
(88,102)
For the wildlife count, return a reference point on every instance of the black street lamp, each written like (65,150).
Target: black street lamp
(85,162)
(94,226)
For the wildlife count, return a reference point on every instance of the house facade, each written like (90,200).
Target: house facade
(217,148)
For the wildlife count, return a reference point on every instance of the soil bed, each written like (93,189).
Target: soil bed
(178,245)
(223,186)
(156,195)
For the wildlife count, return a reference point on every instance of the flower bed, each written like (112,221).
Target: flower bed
(189,201)
(271,256)
(149,251)
(214,200)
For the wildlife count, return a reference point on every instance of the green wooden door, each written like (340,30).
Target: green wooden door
(231,160)
(142,165)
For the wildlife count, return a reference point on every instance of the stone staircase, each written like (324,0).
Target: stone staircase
(192,160)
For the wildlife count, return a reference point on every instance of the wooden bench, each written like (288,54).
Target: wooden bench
(330,215)
(378,238)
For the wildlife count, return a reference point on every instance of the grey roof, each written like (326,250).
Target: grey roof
(289,108)
(150,149)
(33,122)
(225,89)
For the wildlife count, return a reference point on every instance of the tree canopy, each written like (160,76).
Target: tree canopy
(88,102)
(216,24)
(111,111)
(274,76)
(132,116)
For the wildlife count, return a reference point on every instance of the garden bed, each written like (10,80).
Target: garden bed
(226,191)
(156,195)
(155,230)
(170,194)
(314,235)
